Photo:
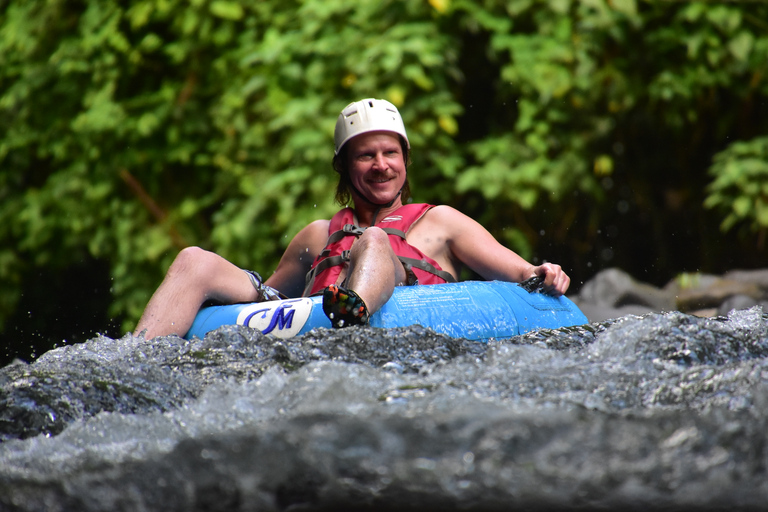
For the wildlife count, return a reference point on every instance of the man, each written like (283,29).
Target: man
(357,258)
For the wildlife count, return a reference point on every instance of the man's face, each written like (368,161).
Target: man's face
(376,165)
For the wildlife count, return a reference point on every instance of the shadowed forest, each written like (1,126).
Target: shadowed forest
(590,133)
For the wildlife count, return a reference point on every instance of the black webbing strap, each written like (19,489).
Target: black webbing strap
(426,267)
(393,231)
(355,230)
(346,230)
(331,261)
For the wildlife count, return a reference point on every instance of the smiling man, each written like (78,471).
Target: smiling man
(358,257)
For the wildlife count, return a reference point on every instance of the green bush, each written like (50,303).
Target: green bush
(740,187)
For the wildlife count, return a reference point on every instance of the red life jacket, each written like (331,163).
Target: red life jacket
(343,231)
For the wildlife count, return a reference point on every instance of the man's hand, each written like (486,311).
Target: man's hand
(556,282)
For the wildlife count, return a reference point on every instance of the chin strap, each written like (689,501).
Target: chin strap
(379,206)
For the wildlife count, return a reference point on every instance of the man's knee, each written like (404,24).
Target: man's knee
(192,261)
(374,243)
(373,239)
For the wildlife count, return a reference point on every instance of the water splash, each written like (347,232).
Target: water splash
(655,411)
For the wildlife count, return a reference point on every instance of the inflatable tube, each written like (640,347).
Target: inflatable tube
(475,310)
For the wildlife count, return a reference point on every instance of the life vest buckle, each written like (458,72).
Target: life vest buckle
(352,229)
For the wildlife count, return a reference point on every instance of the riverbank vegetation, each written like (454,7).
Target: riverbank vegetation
(592,133)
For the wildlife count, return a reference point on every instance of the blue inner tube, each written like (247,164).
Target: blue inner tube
(475,310)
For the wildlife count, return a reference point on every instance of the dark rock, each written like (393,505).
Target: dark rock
(612,293)
(736,302)
(615,288)
(710,293)
(758,277)
(595,313)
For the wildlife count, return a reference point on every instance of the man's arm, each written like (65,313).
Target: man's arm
(297,259)
(472,244)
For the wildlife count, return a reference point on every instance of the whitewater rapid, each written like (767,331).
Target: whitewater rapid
(666,410)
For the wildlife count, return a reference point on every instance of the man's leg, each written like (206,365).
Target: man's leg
(194,276)
(374,271)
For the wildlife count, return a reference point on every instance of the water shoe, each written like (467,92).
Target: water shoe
(344,307)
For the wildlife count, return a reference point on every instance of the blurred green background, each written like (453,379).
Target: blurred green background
(590,133)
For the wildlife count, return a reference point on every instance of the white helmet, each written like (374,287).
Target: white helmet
(368,115)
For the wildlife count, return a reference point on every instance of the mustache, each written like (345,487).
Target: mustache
(380,175)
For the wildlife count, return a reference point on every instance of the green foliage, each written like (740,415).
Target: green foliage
(740,187)
(132,128)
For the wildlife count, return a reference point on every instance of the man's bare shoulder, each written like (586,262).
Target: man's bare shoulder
(446,225)
(319,226)
(445,218)
(314,235)
(442,211)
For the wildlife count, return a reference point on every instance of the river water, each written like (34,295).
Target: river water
(661,411)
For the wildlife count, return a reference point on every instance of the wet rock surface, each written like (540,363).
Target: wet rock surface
(612,293)
(656,411)
(133,375)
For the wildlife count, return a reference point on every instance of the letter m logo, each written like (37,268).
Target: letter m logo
(282,318)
